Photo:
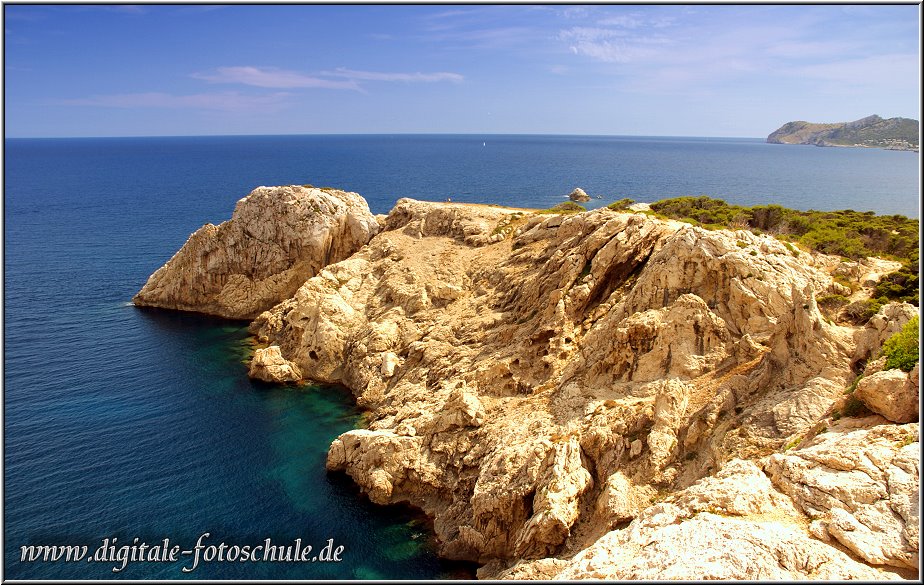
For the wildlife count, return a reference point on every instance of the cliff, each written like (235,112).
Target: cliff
(276,239)
(608,395)
(871,132)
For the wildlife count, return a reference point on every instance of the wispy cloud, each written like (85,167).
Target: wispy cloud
(340,78)
(223,101)
(611,45)
(405,77)
(718,52)
(272,78)
(624,21)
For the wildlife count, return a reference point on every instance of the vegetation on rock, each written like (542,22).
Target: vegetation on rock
(901,350)
(848,233)
(567,207)
(872,132)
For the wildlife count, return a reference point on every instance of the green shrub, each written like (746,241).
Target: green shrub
(861,311)
(567,207)
(901,350)
(832,301)
(848,233)
(621,205)
(854,407)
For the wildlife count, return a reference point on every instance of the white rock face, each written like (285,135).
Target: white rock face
(734,525)
(277,238)
(863,487)
(539,389)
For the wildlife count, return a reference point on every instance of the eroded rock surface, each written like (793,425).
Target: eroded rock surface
(862,487)
(268,365)
(571,396)
(733,525)
(277,238)
(541,379)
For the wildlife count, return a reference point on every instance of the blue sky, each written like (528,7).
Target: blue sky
(694,70)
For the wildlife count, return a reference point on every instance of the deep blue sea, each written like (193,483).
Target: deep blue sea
(124,423)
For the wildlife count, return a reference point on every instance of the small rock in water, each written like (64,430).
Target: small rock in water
(579,195)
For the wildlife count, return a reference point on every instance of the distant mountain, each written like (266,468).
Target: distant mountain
(869,132)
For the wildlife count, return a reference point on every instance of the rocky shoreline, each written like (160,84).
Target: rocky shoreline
(592,395)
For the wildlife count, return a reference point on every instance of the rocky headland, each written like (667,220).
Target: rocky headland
(276,239)
(602,395)
(870,132)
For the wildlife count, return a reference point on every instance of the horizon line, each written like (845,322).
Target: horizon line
(380,134)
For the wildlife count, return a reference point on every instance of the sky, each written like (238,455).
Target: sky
(650,70)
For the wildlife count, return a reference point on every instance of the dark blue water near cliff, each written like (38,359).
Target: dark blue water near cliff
(127,423)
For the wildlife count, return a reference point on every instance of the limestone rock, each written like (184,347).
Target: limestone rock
(277,238)
(889,320)
(556,502)
(863,485)
(379,461)
(269,365)
(579,195)
(620,500)
(536,381)
(730,526)
(890,393)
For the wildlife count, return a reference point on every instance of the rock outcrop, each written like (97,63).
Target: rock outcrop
(734,525)
(579,195)
(861,488)
(277,238)
(572,395)
(535,381)
(892,393)
(268,365)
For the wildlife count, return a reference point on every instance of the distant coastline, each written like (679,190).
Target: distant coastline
(870,132)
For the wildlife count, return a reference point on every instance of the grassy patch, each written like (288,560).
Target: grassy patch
(853,385)
(906,441)
(793,444)
(861,311)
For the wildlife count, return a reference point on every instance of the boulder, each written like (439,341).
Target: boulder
(579,195)
(268,365)
(891,393)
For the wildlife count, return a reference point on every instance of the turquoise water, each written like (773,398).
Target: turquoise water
(127,423)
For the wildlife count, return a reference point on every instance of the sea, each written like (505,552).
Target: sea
(125,426)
